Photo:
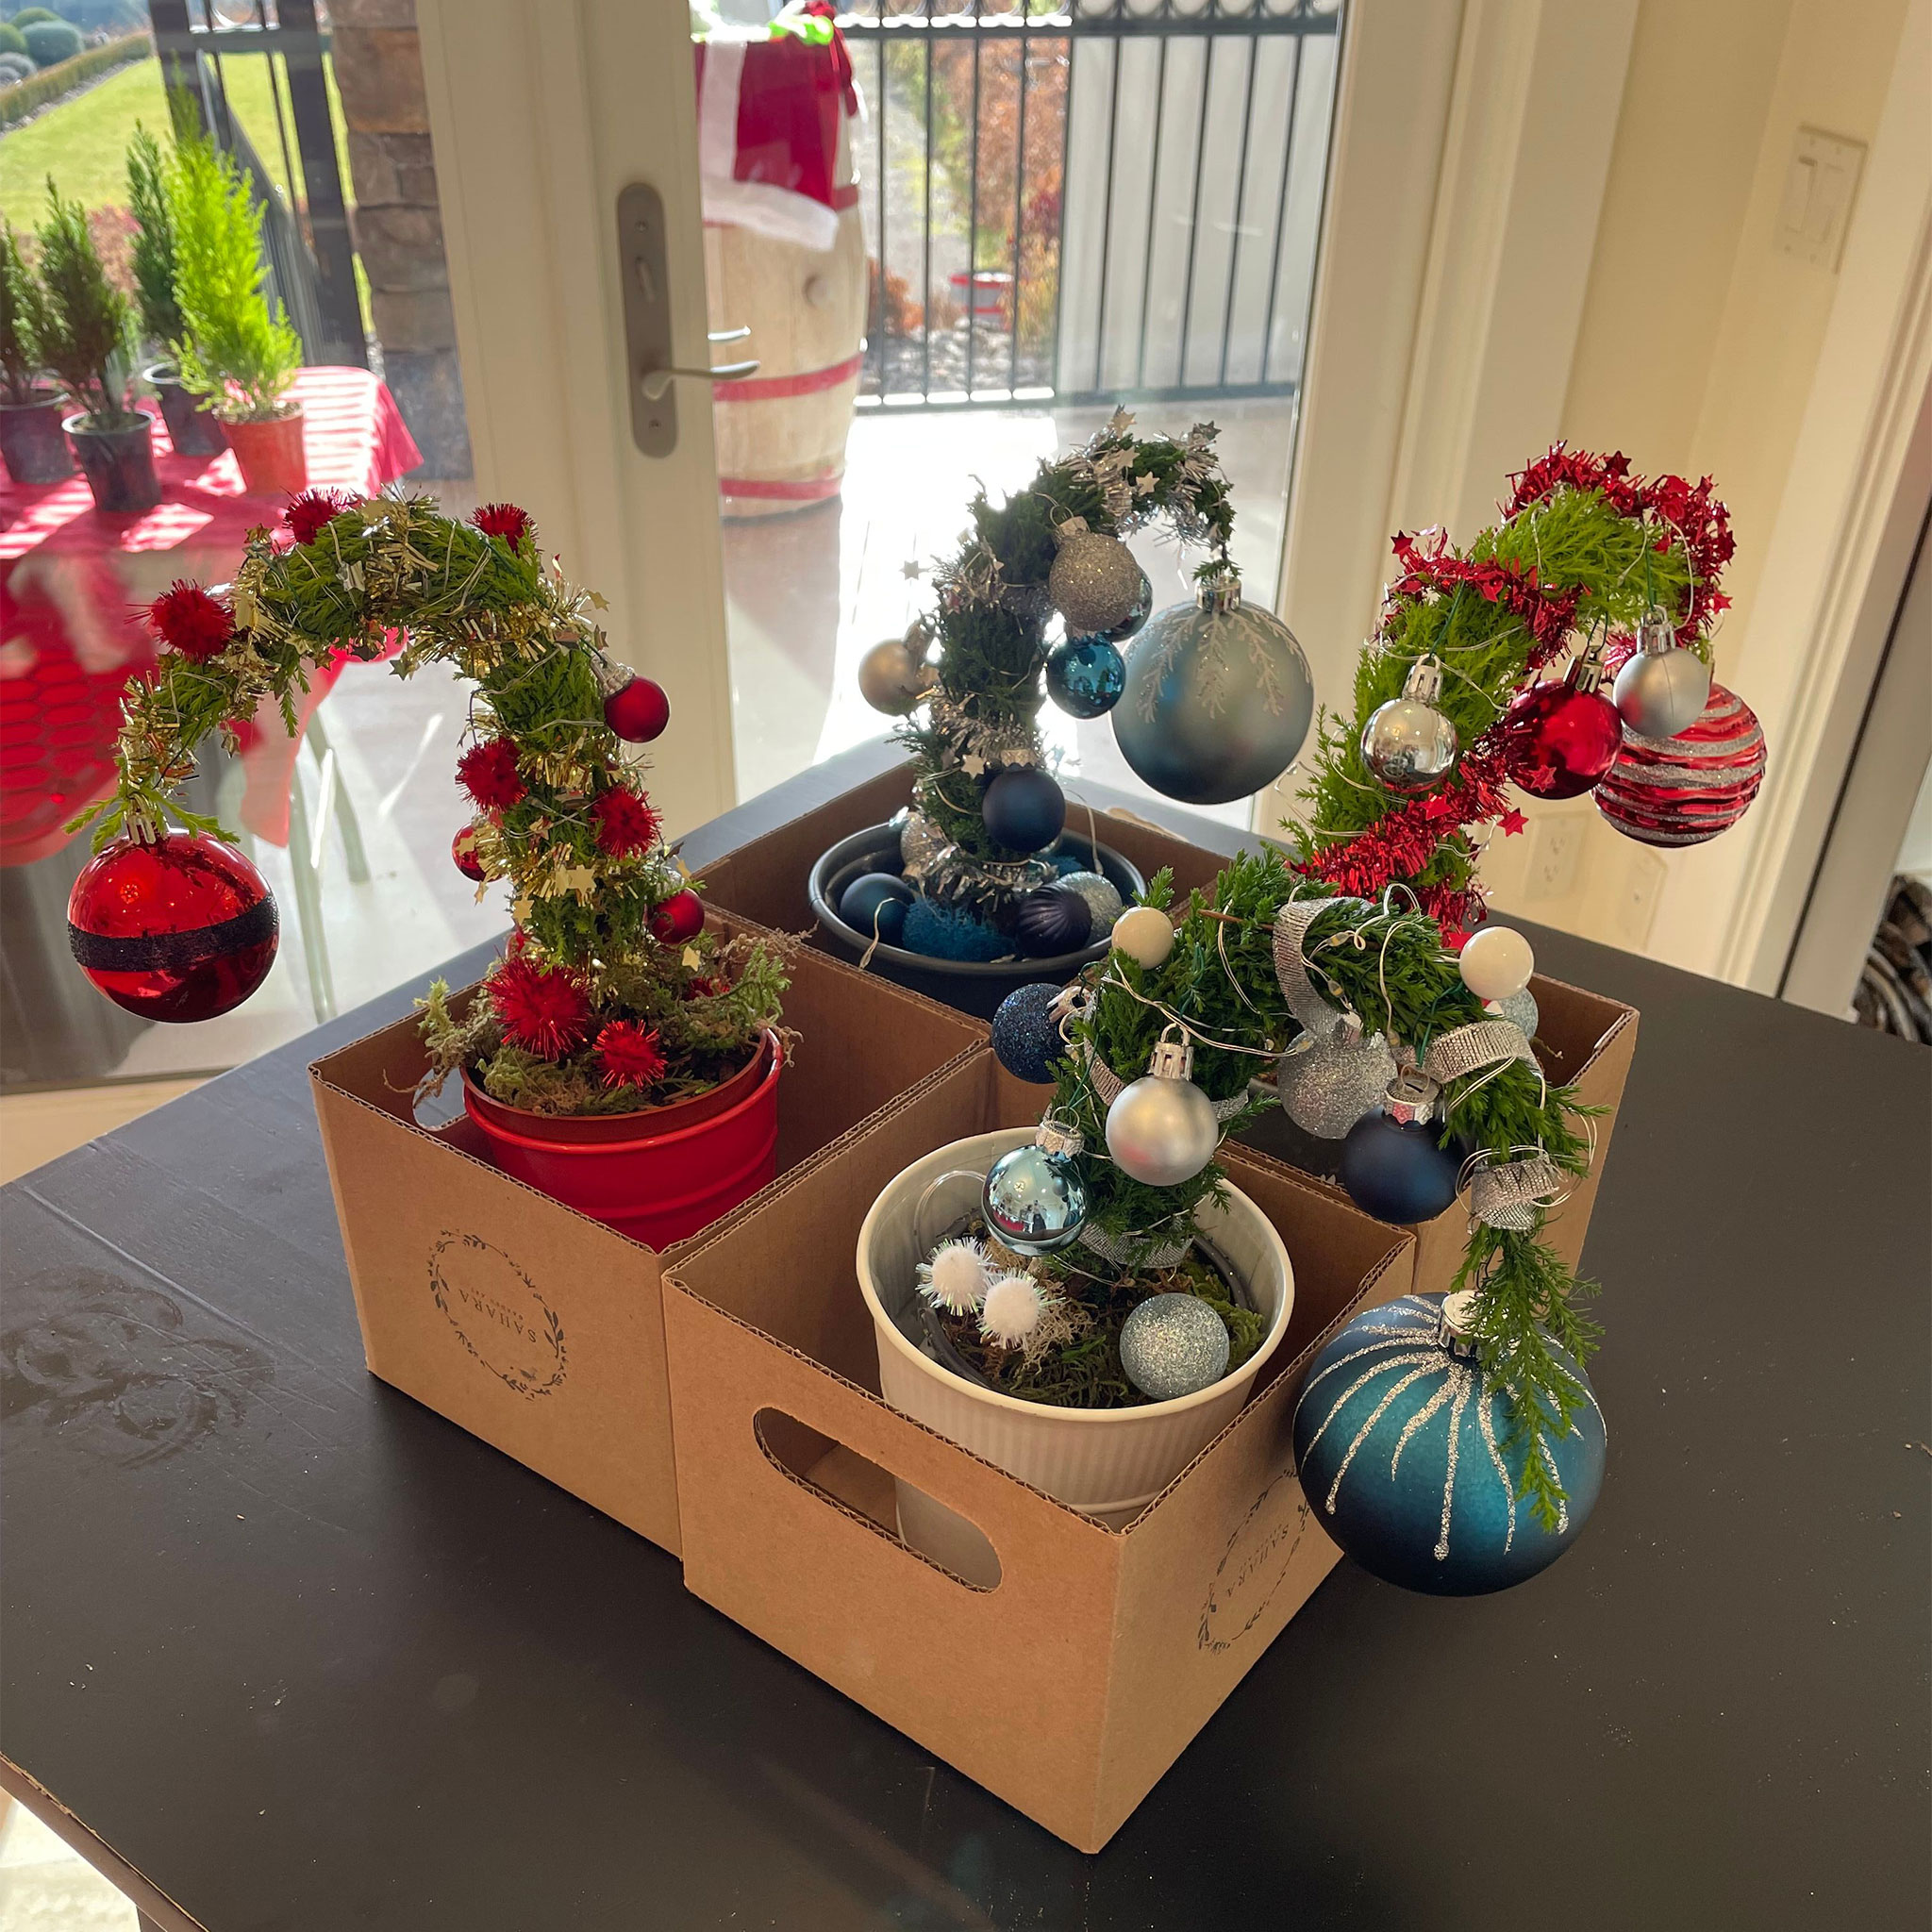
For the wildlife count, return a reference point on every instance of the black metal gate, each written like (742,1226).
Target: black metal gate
(1110,198)
(305,234)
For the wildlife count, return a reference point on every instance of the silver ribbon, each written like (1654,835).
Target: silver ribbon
(1484,1043)
(1127,1254)
(1291,924)
(1511,1194)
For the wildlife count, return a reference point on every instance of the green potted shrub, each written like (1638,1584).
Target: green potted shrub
(192,425)
(51,41)
(30,440)
(85,331)
(233,349)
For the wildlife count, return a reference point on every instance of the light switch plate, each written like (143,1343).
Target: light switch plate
(1820,186)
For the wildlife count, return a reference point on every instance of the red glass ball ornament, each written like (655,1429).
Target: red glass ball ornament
(463,849)
(181,930)
(1682,791)
(679,918)
(638,712)
(1560,738)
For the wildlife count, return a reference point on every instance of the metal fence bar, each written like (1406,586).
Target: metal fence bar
(1114,122)
(329,240)
(973,228)
(1019,225)
(1180,366)
(1059,244)
(926,255)
(1153,207)
(884,292)
(1241,195)
(1294,102)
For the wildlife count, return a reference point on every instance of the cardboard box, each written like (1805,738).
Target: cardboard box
(529,1323)
(1115,1646)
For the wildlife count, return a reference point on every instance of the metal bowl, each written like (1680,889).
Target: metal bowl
(973,986)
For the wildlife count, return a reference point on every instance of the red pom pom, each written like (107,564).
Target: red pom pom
(543,1011)
(188,619)
(625,823)
(308,513)
(487,771)
(502,519)
(183,929)
(463,849)
(630,1054)
(638,712)
(681,917)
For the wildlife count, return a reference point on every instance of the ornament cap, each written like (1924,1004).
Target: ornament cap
(1058,1137)
(1456,1328)
(1219,589)
(1411,1097)
(1173,1060)
(1425,680)
(1654,634)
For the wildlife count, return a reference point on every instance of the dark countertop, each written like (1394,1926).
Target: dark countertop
(292,1652)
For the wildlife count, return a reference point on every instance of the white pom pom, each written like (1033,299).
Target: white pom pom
(955,1277)
(1012,1310)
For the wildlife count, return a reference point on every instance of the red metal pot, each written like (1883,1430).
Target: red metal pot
(658,1176)
(273,458)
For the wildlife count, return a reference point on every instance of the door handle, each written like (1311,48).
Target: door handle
(655,382)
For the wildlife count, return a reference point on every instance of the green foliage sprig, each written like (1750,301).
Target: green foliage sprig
(153,239)
(84,322)
(23,321)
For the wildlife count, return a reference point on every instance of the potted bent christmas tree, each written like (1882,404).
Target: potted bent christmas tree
(1079,1275)
(30,439)
(620,1055)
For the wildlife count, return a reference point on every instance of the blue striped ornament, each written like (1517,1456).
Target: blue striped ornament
(1399,1440)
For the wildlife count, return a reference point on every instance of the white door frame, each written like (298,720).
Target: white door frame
(540,116)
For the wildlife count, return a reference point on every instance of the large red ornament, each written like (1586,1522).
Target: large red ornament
(1682,791)
(182,930)
(678,918)
(1559,736)
(638,712)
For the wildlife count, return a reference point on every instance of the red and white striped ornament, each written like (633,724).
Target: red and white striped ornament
(1682,791)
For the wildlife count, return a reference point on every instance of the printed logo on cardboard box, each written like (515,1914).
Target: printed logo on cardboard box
(1259,1557)
(497,1312)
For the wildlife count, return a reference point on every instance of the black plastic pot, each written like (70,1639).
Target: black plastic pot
(192,425)
(972,986)
(119,464)
(31,442)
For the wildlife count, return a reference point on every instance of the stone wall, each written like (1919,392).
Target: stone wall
(398,226)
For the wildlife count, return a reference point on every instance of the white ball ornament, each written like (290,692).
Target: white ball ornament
(1496,963)
(1011,1310)
(1161,1129)
(1145,935)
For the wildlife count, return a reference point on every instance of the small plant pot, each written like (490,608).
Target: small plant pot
(658,1176)
(31,443)
(119,464)
(1108,1463)
(194,427)
(274,459)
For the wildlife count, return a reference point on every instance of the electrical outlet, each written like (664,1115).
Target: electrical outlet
(1555,855)
(1633,913)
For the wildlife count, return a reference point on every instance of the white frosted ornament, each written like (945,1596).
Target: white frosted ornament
(1011,1310)
(894,677)
(1145,935)
(1094,582)
(956,1278)
(1496,963)
(1161,1129)
(1661,689)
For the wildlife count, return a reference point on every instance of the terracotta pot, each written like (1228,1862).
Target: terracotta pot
(31,442)
(658,1176)
(194,427)
(119,464)
(274,460)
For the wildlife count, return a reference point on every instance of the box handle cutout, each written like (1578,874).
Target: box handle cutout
(856,1486)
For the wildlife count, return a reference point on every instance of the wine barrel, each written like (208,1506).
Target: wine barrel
(781,433)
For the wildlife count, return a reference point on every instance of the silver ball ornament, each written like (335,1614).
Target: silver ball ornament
(1662,690)
(1035,1200)
(1325,1086)
(1219,698)
(1161,1129)
(894,677)
(1103,901)
(1094,582)
(1173,1345)
(1409,744)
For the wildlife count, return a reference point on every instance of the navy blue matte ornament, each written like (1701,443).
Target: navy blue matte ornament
(1026,1034)
(1400,1441)
(874,904)
(1395,1171)
(1051,920)
(1085,677)
(941,933)
(1024,809)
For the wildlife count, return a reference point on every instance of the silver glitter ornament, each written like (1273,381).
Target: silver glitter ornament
(1219,698)
(894,677)
(1173,1345)
(1162,1128)
(1409,744)
(1326,1086)
(1035,1200)
(1103,901)
(1661,689)
(1521,1009)
(1094,582)
(921,841)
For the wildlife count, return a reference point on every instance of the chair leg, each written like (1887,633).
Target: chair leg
(322,990)
(345,813)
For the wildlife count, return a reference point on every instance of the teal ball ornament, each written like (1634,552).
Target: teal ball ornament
(1049,922)
(942,933)
(1401,1444)
(1173,1345)
(1026,1033)
(1024,809)
(876,904)
(1035,1201)
(1085,677)
(1103,902)
(1219,698)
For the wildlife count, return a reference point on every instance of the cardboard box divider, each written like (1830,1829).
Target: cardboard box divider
(1115,1646)
(530,1325)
